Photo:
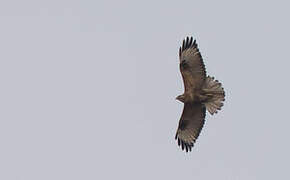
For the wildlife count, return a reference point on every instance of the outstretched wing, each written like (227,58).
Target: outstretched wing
(191,65)
(190,125)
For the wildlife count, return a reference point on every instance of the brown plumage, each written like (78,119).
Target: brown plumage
(201,93)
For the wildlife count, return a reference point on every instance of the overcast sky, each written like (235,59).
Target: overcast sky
(87,89)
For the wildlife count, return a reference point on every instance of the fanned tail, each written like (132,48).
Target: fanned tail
(215,93)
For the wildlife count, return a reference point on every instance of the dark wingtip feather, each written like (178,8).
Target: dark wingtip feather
(184,146)
(190,41)
(183,45)
(186,44)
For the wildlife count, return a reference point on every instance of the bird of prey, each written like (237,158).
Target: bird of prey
(201,93)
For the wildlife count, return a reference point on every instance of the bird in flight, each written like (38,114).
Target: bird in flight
(201,93)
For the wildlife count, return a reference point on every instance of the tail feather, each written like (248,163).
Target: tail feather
(215,93)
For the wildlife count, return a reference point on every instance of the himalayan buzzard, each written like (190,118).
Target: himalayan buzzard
(201,93)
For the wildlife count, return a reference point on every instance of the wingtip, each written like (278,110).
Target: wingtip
(187,43)
(187,147)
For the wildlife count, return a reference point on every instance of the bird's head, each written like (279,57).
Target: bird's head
(180,98)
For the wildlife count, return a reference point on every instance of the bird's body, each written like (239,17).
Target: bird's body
(201,93)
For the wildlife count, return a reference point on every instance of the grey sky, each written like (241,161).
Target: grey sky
(88,87)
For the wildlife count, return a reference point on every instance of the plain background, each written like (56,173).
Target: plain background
(88,89)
